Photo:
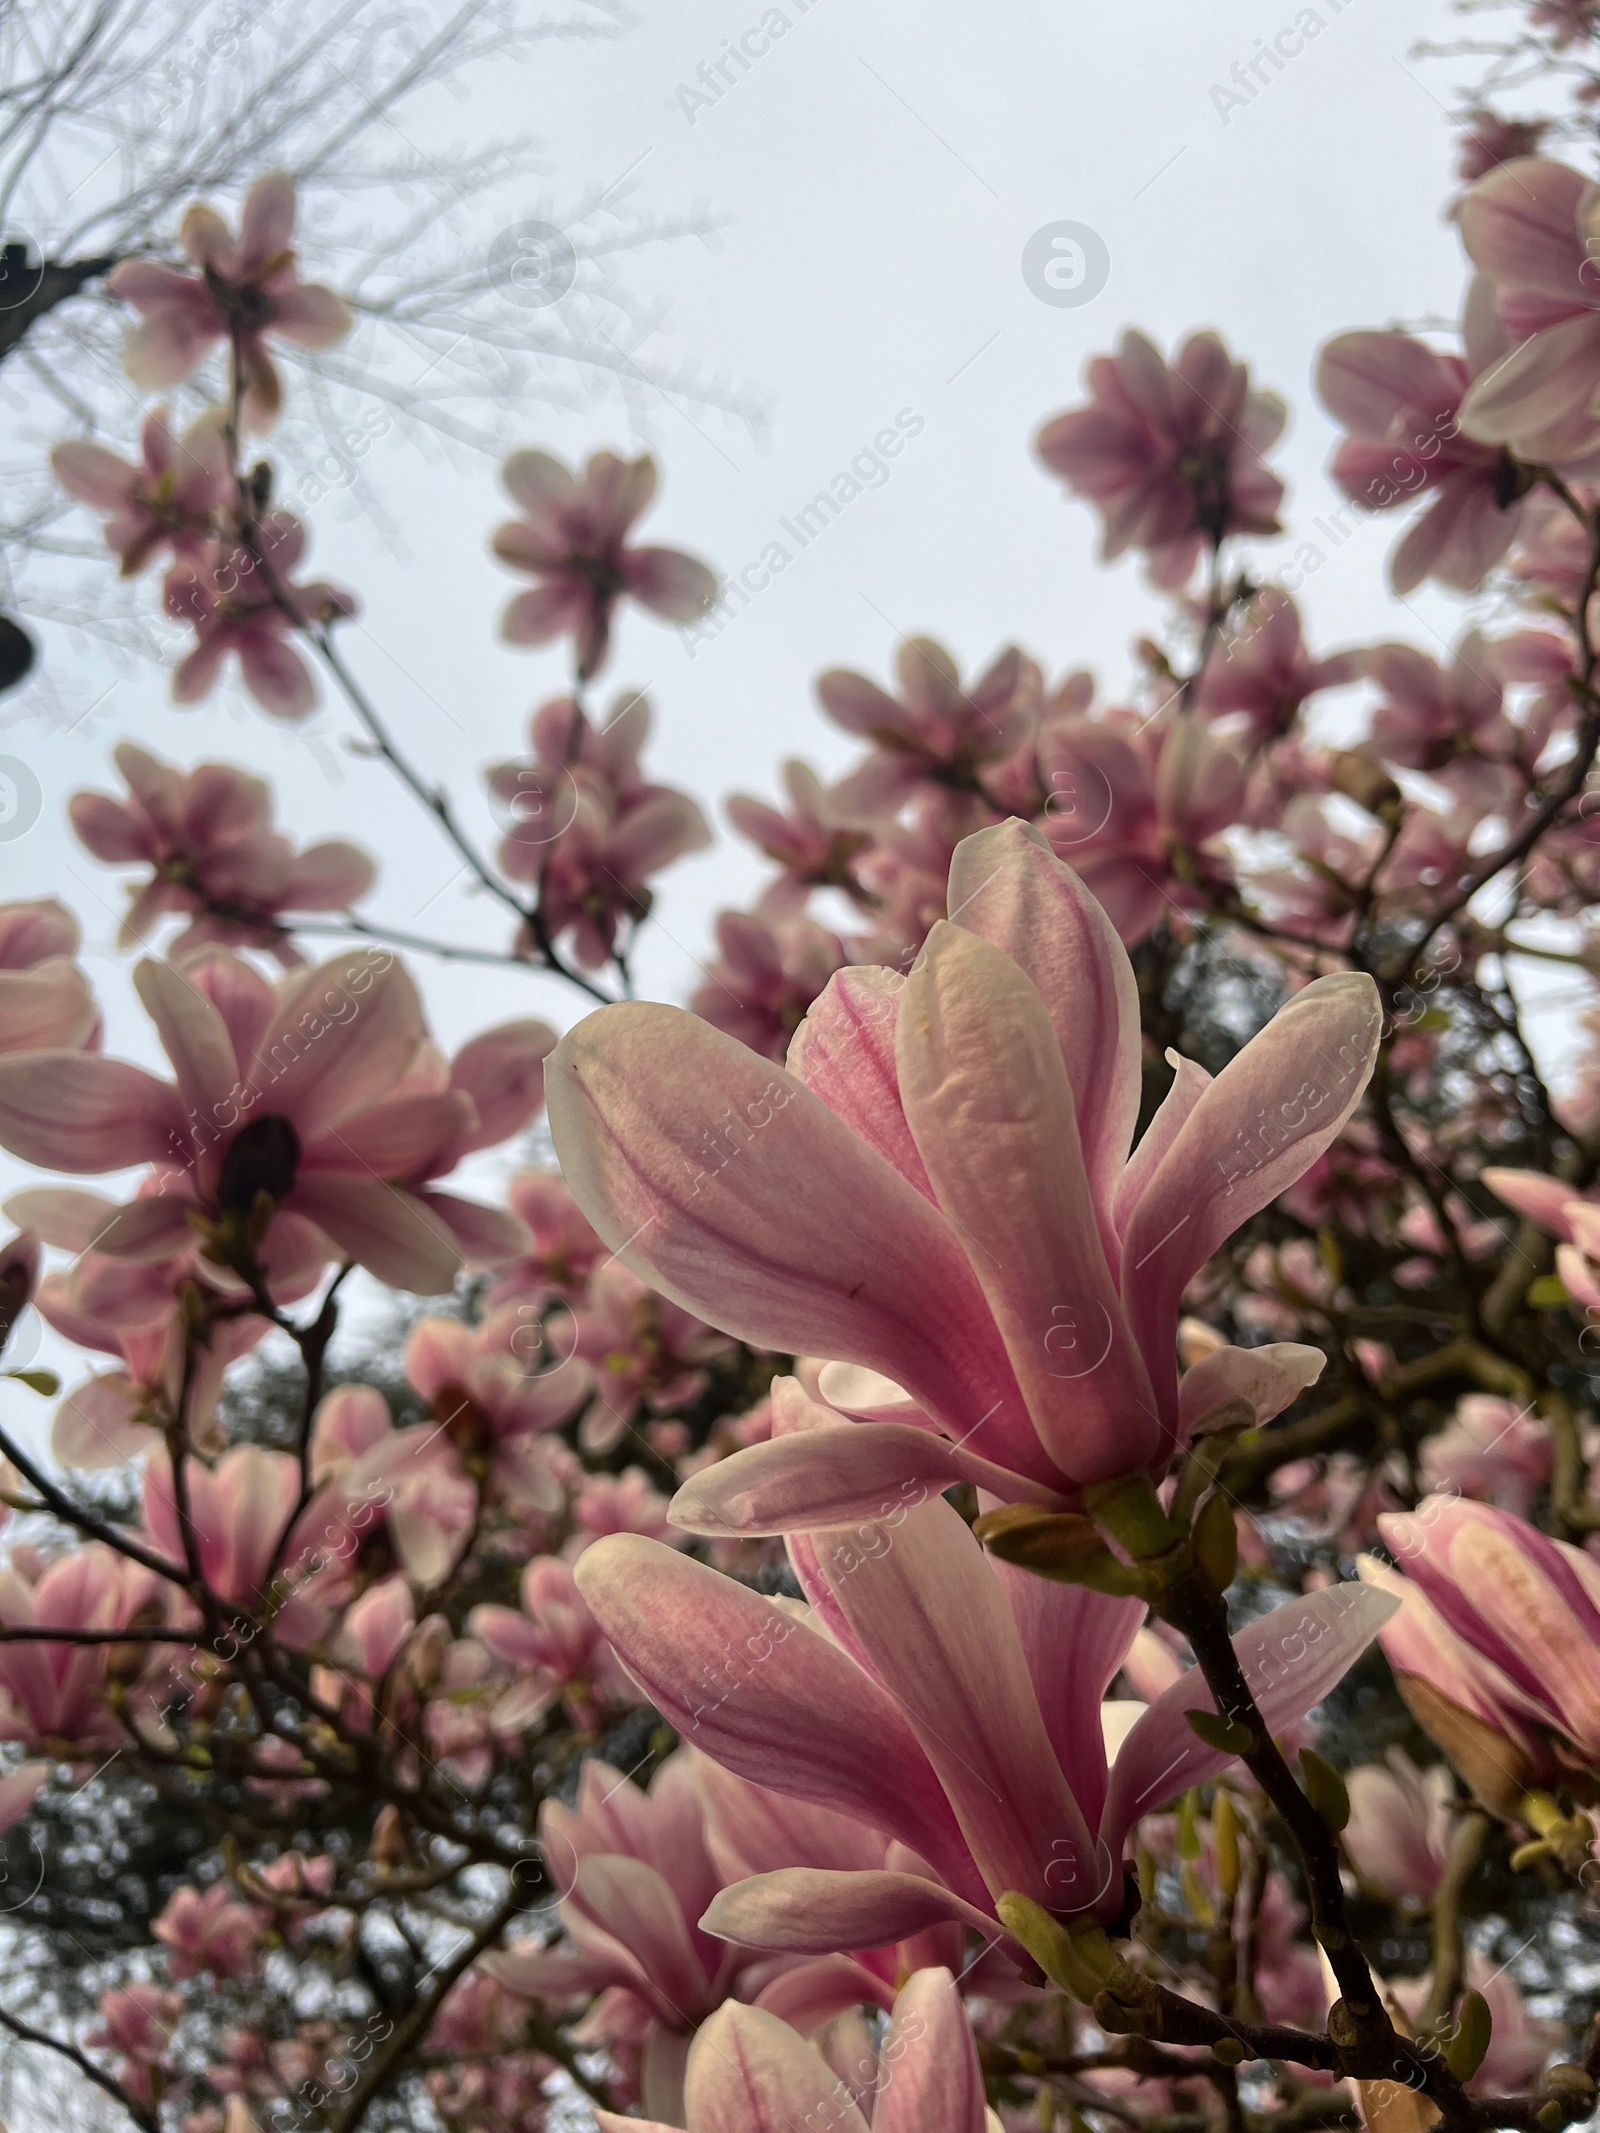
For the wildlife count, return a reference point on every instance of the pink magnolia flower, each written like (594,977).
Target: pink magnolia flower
(1571,1217)
(988,1766)
(53,1695)
(636,1872)
(237,604)
(935,731)
(362,1467)
(1170,455)
(812,841)
(747,2068)
(175,498)
(1401,402)
(572,538)
(1431,716)
(556,1652)
(45,1001)
(1137,815)
(587,828)
(771,969)
(644,1349)
(1263,674)
(1398,1835)
(940,1189)
(238,1511)
(1528,225)
(210,1933)
(138,2021)
(207,834)
(1492,1449)
(246,290)
(619,1503)
(280,1091)
(1469,1678)
(564,1250)
(492,1407)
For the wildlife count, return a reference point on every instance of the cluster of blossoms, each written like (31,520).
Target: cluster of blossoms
(838,1611)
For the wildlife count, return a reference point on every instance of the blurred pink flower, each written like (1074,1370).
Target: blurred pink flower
(572,538)
(771,968)
(1261,675)
(556,1652)
(238,604)
(1398,1835)
(45,1001)
(210,1933)
(176,498)
(246,290)
(207,834)
(1170,455)
(935,731)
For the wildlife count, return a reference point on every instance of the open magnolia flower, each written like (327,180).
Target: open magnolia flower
(978,1687)
(939,1189)
(749,2071)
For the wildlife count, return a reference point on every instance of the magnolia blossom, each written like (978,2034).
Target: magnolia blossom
(812,842)
(45,1001)
(746,2068)
(572,537)
(246,290)
(211,1933)
(1496,1647)
(1398,1835)
(237,1513)
(241,602)
(770,970)
(295,1093)
(1170,455)
(556,1652)
(1261,676)
(636,1872)
(207,835)
(1529,226)
(585,826)
(987,1767)
(1491,1448)
(562,1253)
(1572,1217)
(644,1349)
(1401,402)
(1137,814)
(52,1696)
(936,730)
(176,498)
(940,1189)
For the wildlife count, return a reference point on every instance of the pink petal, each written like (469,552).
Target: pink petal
(92,474)
(195,1038)
(668,583)
(1270,1378)
(930,2074)
(750,2073)
(1007,885)
(503,1072)
(764,1695)
(342,1036)
(807,1910)
(76,1112)
(1291,1659)
(1260,1125)
(727,1185)
(387,1231)
(935,1624)
(844,1052)
(989,1102)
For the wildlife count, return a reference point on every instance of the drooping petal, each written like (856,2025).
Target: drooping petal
(1269,1378)
(77,1112)
(386,1230)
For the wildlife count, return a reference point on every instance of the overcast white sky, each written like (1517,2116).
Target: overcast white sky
(878,172)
